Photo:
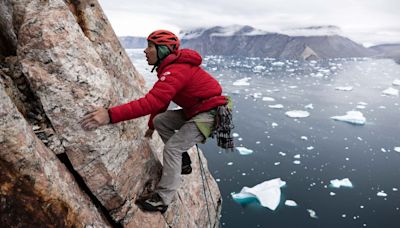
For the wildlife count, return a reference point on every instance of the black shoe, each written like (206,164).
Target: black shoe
(186,167)
(154,203)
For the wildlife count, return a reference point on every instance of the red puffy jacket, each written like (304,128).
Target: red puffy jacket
(181,80)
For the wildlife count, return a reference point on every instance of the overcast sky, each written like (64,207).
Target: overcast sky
(365,21)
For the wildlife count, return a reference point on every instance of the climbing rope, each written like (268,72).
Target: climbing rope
(203,177)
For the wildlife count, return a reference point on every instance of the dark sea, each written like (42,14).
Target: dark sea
(312,149)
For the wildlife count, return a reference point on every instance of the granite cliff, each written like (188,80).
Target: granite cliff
(58,60)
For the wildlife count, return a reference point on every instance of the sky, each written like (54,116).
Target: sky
(368,22)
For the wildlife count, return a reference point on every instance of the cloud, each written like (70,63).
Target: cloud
(356,18)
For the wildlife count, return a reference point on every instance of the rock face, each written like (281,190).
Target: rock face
(248,41)
(388,51)
(60,59)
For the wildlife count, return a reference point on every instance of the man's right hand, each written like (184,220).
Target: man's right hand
(149,133)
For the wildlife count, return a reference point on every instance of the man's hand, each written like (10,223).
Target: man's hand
(149,133)
(95,119)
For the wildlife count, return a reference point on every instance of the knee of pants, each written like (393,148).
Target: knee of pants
(158,121)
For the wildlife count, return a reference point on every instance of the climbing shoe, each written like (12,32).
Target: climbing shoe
(153,203)
(186,167)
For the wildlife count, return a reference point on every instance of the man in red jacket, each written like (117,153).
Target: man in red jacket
(183,81)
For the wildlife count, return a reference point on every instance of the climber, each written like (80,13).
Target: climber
(183,81)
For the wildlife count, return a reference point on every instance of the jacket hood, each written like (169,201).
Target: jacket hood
(181,56)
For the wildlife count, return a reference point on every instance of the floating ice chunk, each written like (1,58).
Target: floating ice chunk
(312,214)
(281,153)
(297,162)
(290,203)
(310,148)
(242,82)
(256,95)
(274,124)
(277,163)
(332,193)
(268,193)
(360,107)
(277,106)
(268,99)
(381,193)
(354,117)
(341,183)
(304,138)
(278,63)
(396,82)
(383,150)
(297,156)
(309,106)
(397,149)
(395,189)
(297,114)
(243,150)
(344,88)
(292,87)
(235,134)
(391,91)
(230,163)
(362,103)
(259,69)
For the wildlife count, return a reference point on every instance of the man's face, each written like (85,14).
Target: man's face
(151,53)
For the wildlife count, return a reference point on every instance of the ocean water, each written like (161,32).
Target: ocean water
(309,151)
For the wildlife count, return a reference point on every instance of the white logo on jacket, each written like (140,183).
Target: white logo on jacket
(166,73)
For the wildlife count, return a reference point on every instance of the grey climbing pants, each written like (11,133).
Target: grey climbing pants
(178,135)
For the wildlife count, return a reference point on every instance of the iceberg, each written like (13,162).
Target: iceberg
(381,193)
(344,88)
(397,149)
(243,150)
(297,114)
(268,99)
(242,82)
(290,203)
(391,92)
(268,193)
(277,106)
(345,182)
(309,106)
(312,213)
(396,82)
(354,117)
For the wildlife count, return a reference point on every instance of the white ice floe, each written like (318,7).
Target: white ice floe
(332,193)
(391,92)
(297,114)
(395,189)
(397,149)
(360,107)
(312,213)
(230,163)
(235,134)
(278,63)
(309,106)
(256,95)
(274,124)
(304,138)
(277,163)
(354,117)
(345,182)
(268,99)
(297,156)
(281,153)
(243,150)
(290,203)
(362,103)
(268,193)
(296,162)
(396,82)
(276,106)
(259,69)
(344,88)
(381,193)
(310,148)
(242,82)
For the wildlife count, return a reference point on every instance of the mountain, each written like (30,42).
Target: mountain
(129,42)
(388,51)
(304,43)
